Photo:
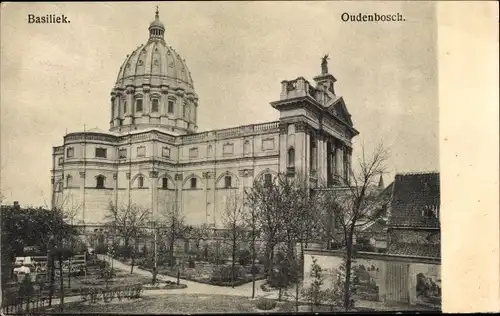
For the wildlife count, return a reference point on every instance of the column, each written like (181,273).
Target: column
(338,160)
(209,201)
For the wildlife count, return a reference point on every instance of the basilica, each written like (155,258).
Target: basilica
(154,155)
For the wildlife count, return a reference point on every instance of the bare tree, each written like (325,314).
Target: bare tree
(251,222)
(128,222)
(234,222)
(172,226)
(356,206)
(263,198)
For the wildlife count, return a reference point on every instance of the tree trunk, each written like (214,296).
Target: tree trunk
(52,279)
(69,274)
(253,264)
(233,259)
(132,262)
(61,280)
(297,296)
(347,294)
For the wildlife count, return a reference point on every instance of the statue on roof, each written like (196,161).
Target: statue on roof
(324,64)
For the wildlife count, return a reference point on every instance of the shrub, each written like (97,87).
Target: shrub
(101,249)
(26,288)
(265,304)
(244,257)
(223,273)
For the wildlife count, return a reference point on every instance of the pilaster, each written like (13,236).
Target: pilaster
(209,177)
(178,198)
(153,192)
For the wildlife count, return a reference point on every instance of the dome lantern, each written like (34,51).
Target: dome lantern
(156,28)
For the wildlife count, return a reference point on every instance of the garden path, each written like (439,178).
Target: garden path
(194,287)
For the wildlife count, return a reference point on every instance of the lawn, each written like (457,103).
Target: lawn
(176,304)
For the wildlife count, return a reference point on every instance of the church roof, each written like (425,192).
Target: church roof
(412,195)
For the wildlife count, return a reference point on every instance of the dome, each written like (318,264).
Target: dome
(154,61)
(155,74)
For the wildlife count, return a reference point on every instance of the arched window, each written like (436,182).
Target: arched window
(164,183)
(193,183)
(69,180)
(140,182)
(99,182)
(138,105)
(155,105)
(291,158)
(170,108)
(268,179)
(227,181)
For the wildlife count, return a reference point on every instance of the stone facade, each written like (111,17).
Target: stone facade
(153,157)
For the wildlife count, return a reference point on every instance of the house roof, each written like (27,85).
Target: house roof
(417,250)
(412,195)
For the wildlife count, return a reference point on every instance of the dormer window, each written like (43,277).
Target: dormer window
(138,105)
(154,105)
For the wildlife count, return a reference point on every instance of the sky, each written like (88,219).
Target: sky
(58,77)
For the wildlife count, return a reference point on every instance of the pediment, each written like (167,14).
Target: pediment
(338,109)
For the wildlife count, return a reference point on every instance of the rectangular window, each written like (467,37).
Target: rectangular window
(122,153)
(164,183)
(70,152)
(193,153)
(228,149)
(138,105)
(170,106)
(141,151)
(60,161)
(165,152)
(101,152)
(184,109)
(193,183)
(268,144)
(155,105)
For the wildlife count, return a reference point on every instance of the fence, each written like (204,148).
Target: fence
(17,305)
